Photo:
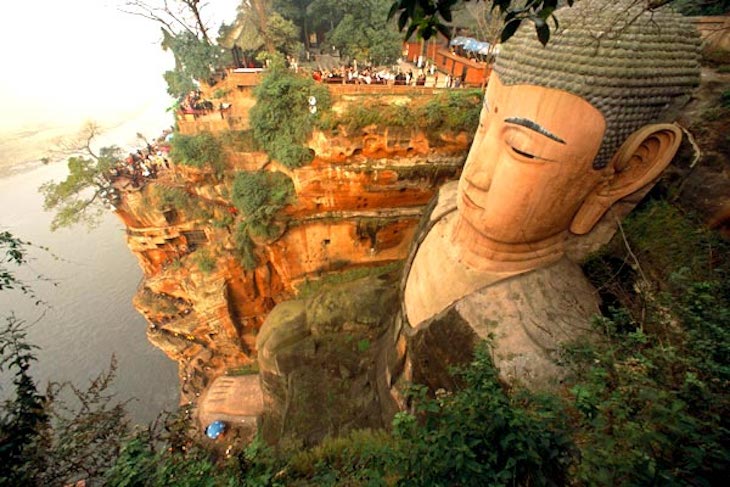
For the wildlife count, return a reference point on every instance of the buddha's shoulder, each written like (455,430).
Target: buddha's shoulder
(443,203)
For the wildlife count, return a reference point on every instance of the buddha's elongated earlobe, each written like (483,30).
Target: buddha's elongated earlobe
(640,160)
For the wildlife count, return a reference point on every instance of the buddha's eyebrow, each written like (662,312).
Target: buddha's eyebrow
(534,126)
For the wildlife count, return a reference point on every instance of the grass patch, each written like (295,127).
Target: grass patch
(310,287)
(453,111)
(205,262)
(249,369)
(174,198)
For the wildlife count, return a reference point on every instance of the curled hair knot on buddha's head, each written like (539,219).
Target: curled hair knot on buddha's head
(635,65)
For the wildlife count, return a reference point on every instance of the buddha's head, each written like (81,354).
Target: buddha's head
(569,129)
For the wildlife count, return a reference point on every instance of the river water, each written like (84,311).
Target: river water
(89,316)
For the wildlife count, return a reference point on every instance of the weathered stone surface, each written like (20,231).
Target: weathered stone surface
(320,360)
(356,206)
(237,400)
(534,177)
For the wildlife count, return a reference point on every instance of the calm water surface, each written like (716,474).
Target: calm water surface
(89,316)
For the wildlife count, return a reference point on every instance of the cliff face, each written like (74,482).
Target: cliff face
(355,207)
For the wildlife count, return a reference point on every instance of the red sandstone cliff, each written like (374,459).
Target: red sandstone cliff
(356,206)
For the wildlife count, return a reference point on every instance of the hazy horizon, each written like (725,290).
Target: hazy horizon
(66,63)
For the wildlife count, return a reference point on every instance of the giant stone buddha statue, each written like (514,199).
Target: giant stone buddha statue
(566,131)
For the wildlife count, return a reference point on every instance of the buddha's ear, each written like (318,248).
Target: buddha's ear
(639,161)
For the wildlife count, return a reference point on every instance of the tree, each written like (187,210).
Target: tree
(23,418)
(429,17)
(283,34)
(87,427)
(45,440)
(366,35)
(296,12)
(486,23)
(281,119)
(175,16)
(185,33)
(257,25)
(84,194)
(326,14)
(195,59)
(426,17)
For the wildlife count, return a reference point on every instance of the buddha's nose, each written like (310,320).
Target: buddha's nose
(480,170)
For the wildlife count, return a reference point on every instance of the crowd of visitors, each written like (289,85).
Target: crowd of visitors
(193,102)
(370,76)
(134,170)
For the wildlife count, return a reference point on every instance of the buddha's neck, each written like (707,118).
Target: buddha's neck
(484,254)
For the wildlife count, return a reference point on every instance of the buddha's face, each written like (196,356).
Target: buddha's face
(530,166)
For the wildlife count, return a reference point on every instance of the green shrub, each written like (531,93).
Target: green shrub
(245,247)
(363,457)
(360,116)
(652,396)
(171,197)
(650,411)
(259,196)
(454,111)
(281,119)
(223,222)
(201,151)
(481,435)
(206,263)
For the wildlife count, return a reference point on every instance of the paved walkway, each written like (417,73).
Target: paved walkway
(238,400)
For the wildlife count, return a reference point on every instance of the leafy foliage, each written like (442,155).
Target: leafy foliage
(365,34)
(176,198)
(195,59)
(454,111)
(13,251)
(23,419)
(86,430)
(44,440)
(178,84)
(165,453)
(201,151)
(283,34)
(81,196)
(429,17)
(206,262)
(481,435)
(362,457)
(259,196)
(652,396)
(245,246)
(281,120)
